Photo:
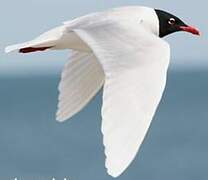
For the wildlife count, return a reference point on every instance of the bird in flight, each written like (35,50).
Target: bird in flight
(121,50)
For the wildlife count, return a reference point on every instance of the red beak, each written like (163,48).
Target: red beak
(190,30)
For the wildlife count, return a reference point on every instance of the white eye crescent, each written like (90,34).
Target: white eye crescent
(171,21)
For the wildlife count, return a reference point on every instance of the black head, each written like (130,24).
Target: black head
(169,24)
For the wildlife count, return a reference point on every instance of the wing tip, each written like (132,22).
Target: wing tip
(6,50)
(60,119)
(9,49)
(112,173)
(22,49)
(14,47)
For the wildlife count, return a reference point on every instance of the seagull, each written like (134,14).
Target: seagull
(121,50)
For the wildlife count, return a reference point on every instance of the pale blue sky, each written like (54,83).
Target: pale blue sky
(25,19)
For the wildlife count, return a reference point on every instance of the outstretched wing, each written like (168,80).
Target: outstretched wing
(135,63)
(82,78)
(45,41)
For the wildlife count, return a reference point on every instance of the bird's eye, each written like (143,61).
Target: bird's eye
(171,21)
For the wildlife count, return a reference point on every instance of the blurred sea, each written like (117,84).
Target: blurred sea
(33,146)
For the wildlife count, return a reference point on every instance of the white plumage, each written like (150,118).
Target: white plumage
(133,87)
(82,78)
(121,50)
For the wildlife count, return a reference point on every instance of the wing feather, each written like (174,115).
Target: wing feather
(135,63)
(82,78)
(47,39)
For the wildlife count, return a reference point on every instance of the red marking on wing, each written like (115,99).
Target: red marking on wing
(32,49)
